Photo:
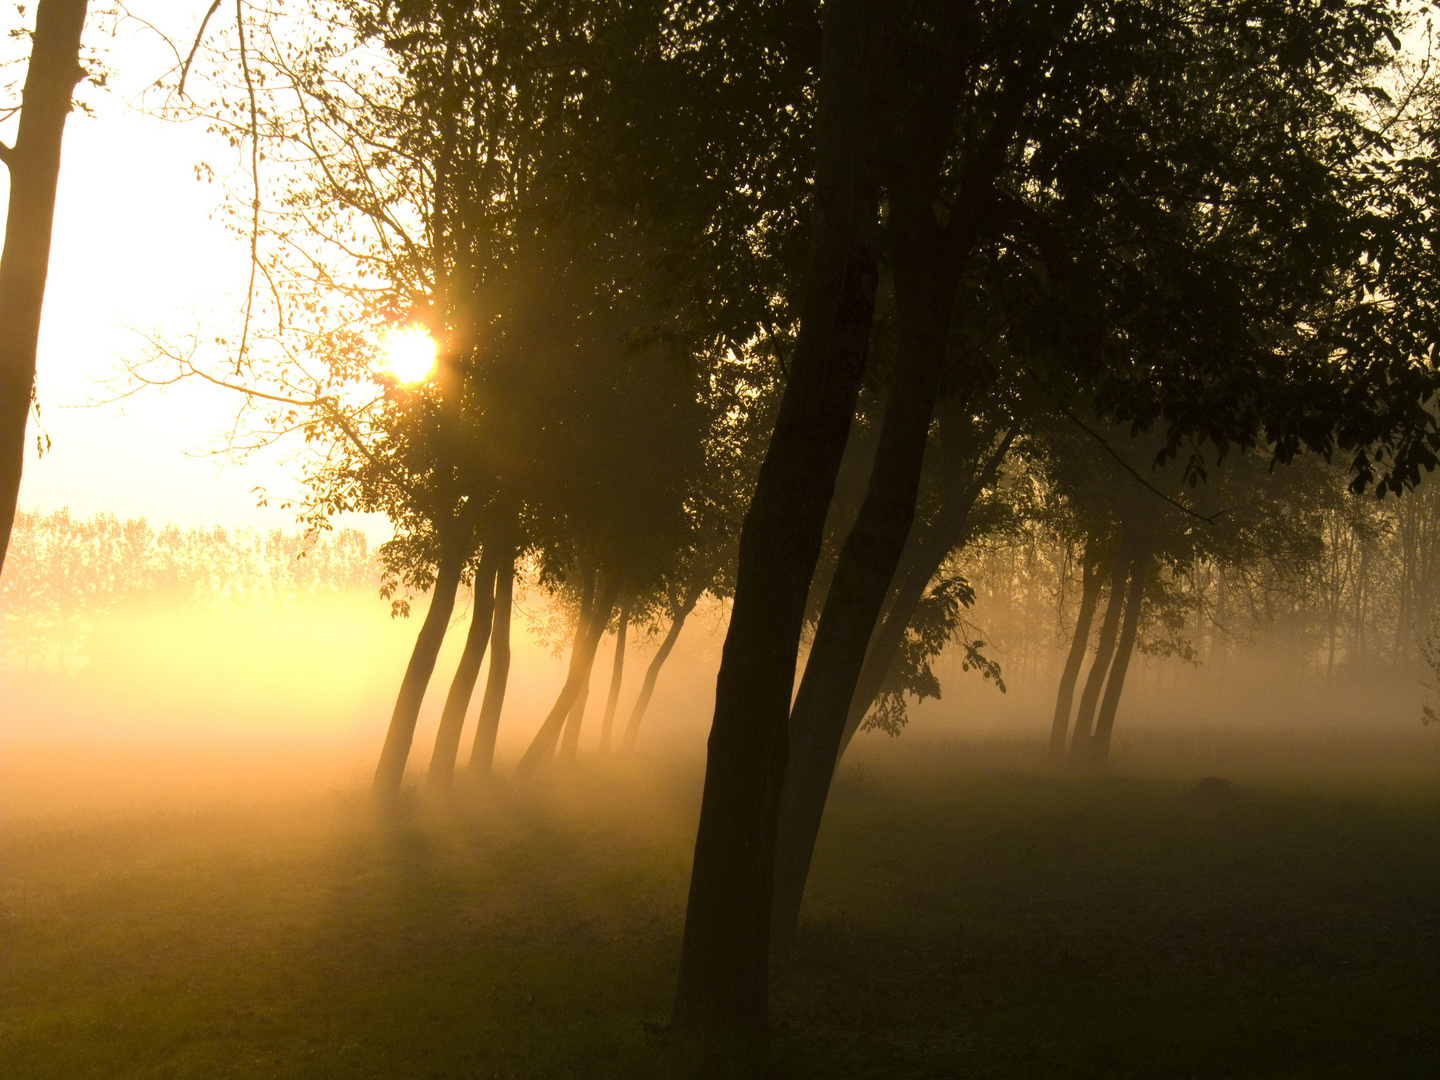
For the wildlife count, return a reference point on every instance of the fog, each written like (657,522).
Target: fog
(175,707)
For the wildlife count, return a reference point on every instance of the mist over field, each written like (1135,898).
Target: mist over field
(219,689)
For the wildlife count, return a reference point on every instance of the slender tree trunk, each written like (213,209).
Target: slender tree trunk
(723,985)
(918,568)
(391,769)
(617,672)
(1115,683)
(462,687)
(34,164)
(570,739)
(1093,582)
(652,672)
(482,755)
(582,658)
(1104,652)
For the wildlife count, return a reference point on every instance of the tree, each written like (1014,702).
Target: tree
(34,166)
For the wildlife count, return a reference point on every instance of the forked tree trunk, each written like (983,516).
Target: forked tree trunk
(804,803)
(391,770)
(617,673)
(482,754)
(652,671)
(570,739)
(582,658)
(34,165)
(1104,652)
(1093,583)
(462,687)
(1115,684)
(924,294)
(723,985)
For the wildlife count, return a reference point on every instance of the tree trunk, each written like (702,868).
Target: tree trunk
(918,567)
(1104,651)
(652,672)
(1094,581)
(1105,723)
(391,769)
(34,164)
(582,658)
(482,755)
(570,740)
(617,672)
(723,985)
(925,295)
(462,687)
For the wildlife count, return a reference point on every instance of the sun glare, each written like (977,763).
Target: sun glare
(409,354)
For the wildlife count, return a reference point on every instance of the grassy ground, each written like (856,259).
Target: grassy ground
(958,924)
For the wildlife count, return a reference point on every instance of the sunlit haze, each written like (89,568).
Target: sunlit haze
(409,354)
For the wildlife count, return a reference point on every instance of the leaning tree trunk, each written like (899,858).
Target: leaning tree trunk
(919,566)
(1115,684)
(391,769)
(582,658)
(1094,581)
(34,164)
(1104,651)
(652,672)
(462,687)
(723,984)
(482,755)
(570,739)
(617,672)
(924,298)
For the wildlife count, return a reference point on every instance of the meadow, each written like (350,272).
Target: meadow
(965,918)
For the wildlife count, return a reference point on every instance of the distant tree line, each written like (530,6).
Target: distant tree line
(63,574)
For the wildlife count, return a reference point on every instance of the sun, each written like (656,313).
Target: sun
(409,354)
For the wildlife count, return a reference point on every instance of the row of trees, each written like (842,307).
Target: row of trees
(63,574)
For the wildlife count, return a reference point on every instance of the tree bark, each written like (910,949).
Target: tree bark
(34,164)
(723,985)
(482,754)
(582,658)
(617,672)
(652,672)
(1093,583)
(391,770)
(1115,684)
(1104,652)
(462,687)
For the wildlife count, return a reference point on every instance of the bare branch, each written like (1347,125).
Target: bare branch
(199,34)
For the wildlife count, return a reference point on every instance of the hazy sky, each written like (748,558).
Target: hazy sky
(136,249)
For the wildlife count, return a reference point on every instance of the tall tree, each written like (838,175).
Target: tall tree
(723,986)
(34,166)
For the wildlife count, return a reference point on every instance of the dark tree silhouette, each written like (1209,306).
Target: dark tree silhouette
(34,167)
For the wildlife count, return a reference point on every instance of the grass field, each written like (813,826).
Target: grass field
(960,923)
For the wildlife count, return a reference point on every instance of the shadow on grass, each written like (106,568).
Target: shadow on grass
(978,926)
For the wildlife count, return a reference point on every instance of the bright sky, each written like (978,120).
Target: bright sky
(136,250)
